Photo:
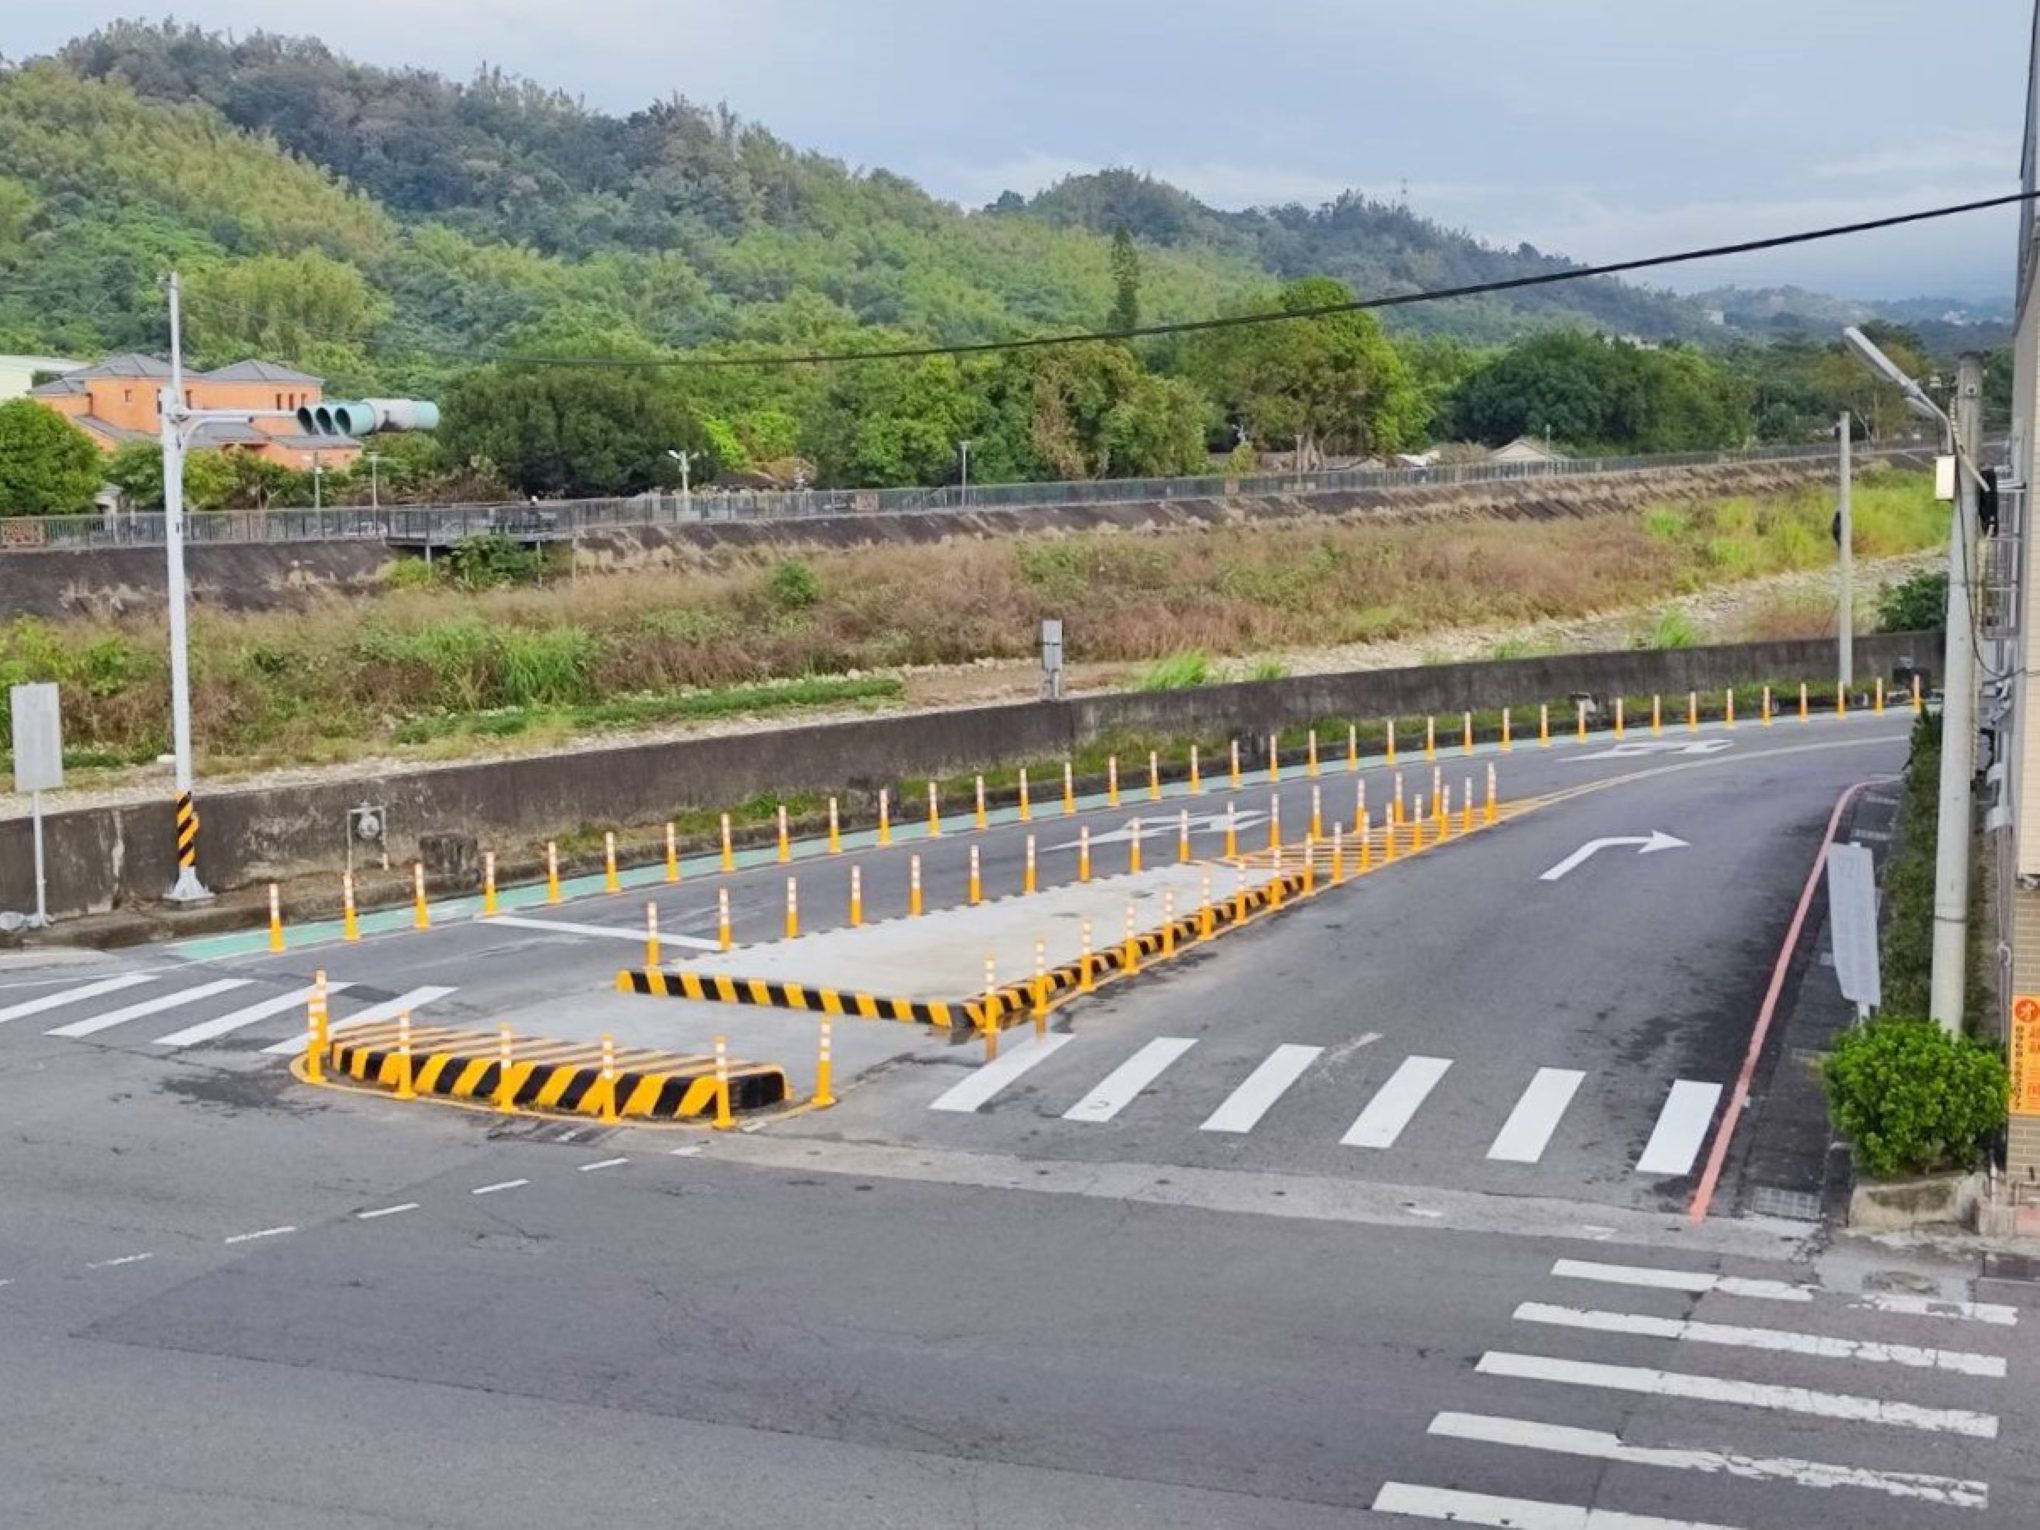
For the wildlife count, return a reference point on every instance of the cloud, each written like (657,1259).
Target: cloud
(1960,152)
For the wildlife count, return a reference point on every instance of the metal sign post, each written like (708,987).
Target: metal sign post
(38,742)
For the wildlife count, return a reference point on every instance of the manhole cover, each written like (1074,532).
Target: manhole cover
(1792,1205)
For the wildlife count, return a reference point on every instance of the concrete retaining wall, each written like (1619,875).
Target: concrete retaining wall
(100,857)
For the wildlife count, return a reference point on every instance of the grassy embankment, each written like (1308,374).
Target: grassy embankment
(440,671)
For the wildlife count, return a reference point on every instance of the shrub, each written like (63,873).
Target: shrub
(1911,1098)
(1667,523)
(794,585)
(1178,672)
(1267,669)
(1915,604)
(411,574)
(483,562)
(1672,629)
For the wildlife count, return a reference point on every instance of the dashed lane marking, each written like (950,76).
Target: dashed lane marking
(607,931)
(111,1264)
(1752,1394)
(500,1185)
(602,1163)
(1698,1282)
(1820,1346)
(384,1211)
(267,1232)
(1602,1445)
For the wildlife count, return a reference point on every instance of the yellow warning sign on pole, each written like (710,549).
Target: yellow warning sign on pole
(2025,1055)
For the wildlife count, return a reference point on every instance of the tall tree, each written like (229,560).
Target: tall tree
(48,466)
(583,432)
(1125,280)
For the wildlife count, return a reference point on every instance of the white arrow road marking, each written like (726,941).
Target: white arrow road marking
(1630,751)
(1649,844)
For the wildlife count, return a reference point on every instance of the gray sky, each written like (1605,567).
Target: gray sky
(1599,129)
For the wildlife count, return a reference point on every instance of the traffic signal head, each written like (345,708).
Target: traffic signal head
(361,417)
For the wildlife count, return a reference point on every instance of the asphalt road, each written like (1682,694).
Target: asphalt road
(226,1300)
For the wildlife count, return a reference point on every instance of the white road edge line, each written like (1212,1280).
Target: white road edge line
(1603,1445)
(108,1264)
(1517,1513)
(384,1211)
(1697,1282)
(501,1184)
(1244,1107)
(1820,1346)
(267,1232)
(612,931)
(601,1163)
(1782,1399)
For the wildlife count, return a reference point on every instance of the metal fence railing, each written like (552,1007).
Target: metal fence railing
(444,525)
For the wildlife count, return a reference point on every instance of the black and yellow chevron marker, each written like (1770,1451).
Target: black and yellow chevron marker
(719,988)
(558,1076)
(187,832)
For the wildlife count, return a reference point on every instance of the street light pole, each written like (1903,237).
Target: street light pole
(187,888)
(1845,613)
(686,461)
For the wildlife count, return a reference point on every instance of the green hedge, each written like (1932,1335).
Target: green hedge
(1912,1099)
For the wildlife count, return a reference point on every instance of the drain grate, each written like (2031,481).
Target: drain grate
(1792,1205)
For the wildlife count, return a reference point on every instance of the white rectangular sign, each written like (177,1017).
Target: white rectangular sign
(38,738)
(1852,923)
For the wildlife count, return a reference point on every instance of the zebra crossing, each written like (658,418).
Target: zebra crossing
(178,1009)
(1898,1393)
(1384,1117)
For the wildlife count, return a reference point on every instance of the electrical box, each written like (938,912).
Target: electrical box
(1944,478)
(1052,659)
(38,738)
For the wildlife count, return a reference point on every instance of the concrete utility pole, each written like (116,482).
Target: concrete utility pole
(686,461)
(187,888)
(1958,725)
(1845,614)
(963,448)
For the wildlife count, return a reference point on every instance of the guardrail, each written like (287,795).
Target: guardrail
(559,520)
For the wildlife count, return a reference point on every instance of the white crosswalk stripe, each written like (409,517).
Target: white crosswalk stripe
(63,997)
(375,1014)
(1697,1282)
(1525,1135)
(1821,1346)
(1463,1508)
(981,1084)
(1681,1129)
(1396,1102)
(1244,1107)
(241,1019)
(1123,1084)
(92,1025)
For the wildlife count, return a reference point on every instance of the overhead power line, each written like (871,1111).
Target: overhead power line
(1280,316)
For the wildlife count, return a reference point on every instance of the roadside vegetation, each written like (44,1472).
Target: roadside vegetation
(440,660)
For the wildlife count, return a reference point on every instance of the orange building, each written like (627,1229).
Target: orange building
(116,402)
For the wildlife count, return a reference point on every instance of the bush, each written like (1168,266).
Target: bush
(1911,1099)
(411,574)
(1178,672)
(795,585)
(491,559)
(1915,604)
(1672,629)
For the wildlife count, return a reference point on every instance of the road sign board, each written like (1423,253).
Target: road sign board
(2025,1055)
(38,738)
(1852,923)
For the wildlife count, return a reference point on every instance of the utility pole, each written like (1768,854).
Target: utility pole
(964,448)
(686,461)
(318,478)
(1845,614)
(187,888)
(1958,726)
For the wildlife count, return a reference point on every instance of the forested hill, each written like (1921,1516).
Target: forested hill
(498,211)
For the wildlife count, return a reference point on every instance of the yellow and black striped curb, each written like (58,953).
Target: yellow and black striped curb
(716,988)
(561,1076)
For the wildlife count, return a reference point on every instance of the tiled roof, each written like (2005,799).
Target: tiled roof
(132,364)
(252,370)
(58,386)
(111,431)
(227,433)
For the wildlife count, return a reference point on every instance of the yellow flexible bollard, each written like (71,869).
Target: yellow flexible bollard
(724,1120)
(1026,807)
(1841,699)
(1309,865)
(1154,776)
(1493,807)
(1236,765)
(792,908)
(1543,725)
(1619,729)
(1877,697)
(1310,753)
(785,839)
(488,884)
(1766,704)
(934,812)
(1804,714)
(1085,983)
(1196,776)
(1239,898)
(275,918)
(1444,802)
(672,853)
(1352,749)
(1274,757)
(856,897)
(884,817)
(651,934)
(1692,711)
(1232,837)
(405,1090)
(722,918)
(1133,846)
(608,1106)
(729,854)
(1583,722)
(1466,809)
(1028,882)
(1204,914)
(1084,853)
(913,885)
(421,916)
(1112,780)
(1168,921)
(1274,822)
(1366,842)
(1338,853)
(824,1071)
(1389,756)
(1040,1005)
(982,820)
(1417,824)
(1317,813)
(1919,701)
(1069,789)
(1657,720)
(835,830)
(315,1031)
(506,1089)
(609,881)
(1430,738)
(1274,885)
(1387,841)
(1466,734)
(1508,720)
(1728,707)
(1130,958)
(1359,802)
(989,1016)
(977,886)
(350,921)
(1399,814)
(1183,837)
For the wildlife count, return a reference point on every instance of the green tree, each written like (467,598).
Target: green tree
(48,466)
(1125,280)
(136,469)
(1332,380)
(581,431)
(1597,394)
(305,307)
